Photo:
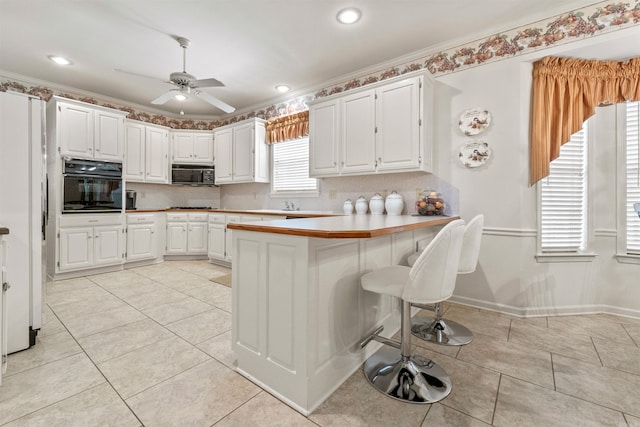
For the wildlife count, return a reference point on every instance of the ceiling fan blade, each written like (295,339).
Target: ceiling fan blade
(164,98)
(215,102)
(138,74)
(208,83)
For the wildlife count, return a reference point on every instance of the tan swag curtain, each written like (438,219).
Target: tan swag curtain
(566,92)
(288,127)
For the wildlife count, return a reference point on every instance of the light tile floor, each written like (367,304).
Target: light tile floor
(152,346)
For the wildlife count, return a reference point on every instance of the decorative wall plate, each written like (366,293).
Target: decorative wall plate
(474,154)
(474,120)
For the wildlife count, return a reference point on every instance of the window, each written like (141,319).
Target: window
(563,200)
(291,169)
(632,187)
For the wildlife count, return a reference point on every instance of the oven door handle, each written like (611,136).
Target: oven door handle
(86,175)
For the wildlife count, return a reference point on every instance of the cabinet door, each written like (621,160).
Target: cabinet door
(323,139)
(182,148)
(141,242)
(197,239)
(243,153)
(108,241)
(76,131)
(357,133)
(176,237)
(216,241)
(109,136)
(134,158)
(229,237)
(3,307)
(76,248)
(223,145)
(398,121)
(203,148)
(157,155)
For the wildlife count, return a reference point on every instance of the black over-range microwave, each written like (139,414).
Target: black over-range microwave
(193,175)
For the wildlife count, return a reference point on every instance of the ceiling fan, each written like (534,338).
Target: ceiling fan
(187,83)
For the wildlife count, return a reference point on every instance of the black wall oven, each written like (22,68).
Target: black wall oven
(91,186)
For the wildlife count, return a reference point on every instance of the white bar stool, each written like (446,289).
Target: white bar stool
(395,371)
(437,329)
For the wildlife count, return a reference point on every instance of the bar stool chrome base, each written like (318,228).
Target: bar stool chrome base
(440,331)
(413,379)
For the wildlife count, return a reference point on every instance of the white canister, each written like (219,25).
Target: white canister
(376,204)
(347,207)
(361,205)
(394,203)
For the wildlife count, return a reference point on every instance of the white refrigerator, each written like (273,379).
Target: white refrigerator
(23,210)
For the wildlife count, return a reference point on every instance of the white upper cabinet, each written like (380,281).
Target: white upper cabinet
(192,147)
(398,126)
(323,138)
(357,126)
(241,153)
(381,128)
(147,153)
(89,132)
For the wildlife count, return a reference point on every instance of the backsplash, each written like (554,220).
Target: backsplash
(162,196)
(256,196)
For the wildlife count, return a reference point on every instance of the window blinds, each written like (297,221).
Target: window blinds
(633,176)
(563,221)
(291,166)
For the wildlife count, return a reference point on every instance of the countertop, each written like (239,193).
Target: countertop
(345,226)
(4,230)
(304,214)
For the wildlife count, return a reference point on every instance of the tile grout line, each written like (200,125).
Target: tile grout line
(495,405)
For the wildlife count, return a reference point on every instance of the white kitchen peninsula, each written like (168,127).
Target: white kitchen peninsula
(299,312)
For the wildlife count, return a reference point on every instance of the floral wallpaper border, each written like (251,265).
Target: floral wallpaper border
(576,25)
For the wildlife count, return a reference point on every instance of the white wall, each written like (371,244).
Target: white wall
(162,196)
(508,277)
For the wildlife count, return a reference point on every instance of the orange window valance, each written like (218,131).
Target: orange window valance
(566,92)
(288,127)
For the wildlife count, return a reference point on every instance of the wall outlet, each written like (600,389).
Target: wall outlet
(333,194)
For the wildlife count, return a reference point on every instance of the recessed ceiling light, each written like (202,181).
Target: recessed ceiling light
(180,97)
(349,15)
(283,88)
(59,60)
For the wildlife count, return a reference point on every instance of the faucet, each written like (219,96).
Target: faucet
(290,206)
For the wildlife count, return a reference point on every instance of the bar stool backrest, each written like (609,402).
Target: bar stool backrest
(471,245)
(433,276)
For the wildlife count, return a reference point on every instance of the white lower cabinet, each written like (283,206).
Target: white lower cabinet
(87,241)
(187,234)
(141,237)
(220,237)
(217,243)
(3,305)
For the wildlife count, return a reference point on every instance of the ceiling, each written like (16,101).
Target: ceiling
(249,45)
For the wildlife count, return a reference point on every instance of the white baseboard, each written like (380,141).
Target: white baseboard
(546,311)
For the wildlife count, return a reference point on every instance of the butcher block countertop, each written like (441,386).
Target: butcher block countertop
(4,230)
(345,226)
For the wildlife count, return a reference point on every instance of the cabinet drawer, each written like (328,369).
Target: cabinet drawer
(199,217)
(140,218)
(85,220)
(176,217)
(217,219)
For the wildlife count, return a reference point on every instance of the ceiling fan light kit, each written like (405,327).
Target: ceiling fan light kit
(185,82)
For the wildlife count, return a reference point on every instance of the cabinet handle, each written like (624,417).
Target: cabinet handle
(342,163)
(97,149)
(93,220)
(89,237)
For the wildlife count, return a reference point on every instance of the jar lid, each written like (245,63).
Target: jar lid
(348,201)
(394,195)
(361,198)
(376,196)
